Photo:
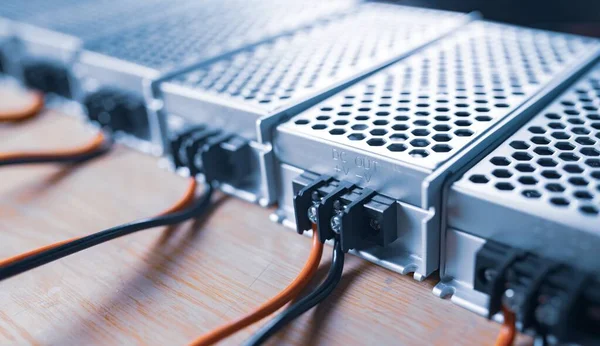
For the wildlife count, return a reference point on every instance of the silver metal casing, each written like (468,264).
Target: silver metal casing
(539,190)
(138,58)
(251,90)
(404,130)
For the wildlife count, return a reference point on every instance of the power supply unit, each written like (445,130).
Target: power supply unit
(119,72)
(241,96)
(538,192)
(400,133)
(50,34)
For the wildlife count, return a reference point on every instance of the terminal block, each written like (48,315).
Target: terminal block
(552,300)
(360,217)
(410,128)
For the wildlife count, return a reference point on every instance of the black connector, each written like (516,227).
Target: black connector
(361,218)
(118,110)
(218,155)
(2,62)
(549,298)
(47,76)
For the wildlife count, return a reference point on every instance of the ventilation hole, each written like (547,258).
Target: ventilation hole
(573,168)
(543,151)
(522,156)
(396,147)
(595,163)
(323,117)
(337,131)
(524,167)
(442,137)
(528,180)
(398,137)
(568,157)
(589,152)
(483,118)
(462,123)
(319,127)
(596,175)
(420,132)
(585,141)
(378,132)
(462,114)
(301,122)
(580,131)
(419,143)
(400,127)
(479,179)
(536,130)
(550,174)
(442,118)
(531,193)
(556,125)
(502,173)
(326,109)
(401,118)
(583,195)
(561,135)
(356,136)
(500,161)
(553,116)
(505,186)
(555,187)
(519,145)
(340,122)
(441,148)
(564,146)
(359,127)
(546,162)
(578,181)
(559,201)
(442,128)
(362,118)
(463,133)
(419,153)
(588,209)
(540,140)
(380,122)
(376,142)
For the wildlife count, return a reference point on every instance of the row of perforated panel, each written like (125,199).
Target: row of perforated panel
(398,100)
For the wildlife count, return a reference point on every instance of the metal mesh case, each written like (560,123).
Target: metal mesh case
(402,131)
(539,190)
(137,57)
(248,91)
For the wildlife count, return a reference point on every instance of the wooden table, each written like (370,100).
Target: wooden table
(165,287)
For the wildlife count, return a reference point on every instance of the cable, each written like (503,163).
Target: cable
(508,331)
(99,145)
(30,112)
(184,201)
(313,299)
(272,305)
(22,263)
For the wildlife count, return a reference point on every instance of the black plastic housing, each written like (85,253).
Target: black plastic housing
(47,76)
(118,110)
(554,299)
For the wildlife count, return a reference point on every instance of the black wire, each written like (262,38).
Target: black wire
(73,159)
(313,299)
(194,211)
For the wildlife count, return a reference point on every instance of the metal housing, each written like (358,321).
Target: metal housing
(138,58)
(251,90)
(539,190)
(404,130)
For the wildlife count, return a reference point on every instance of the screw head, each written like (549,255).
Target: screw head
(336,224)
(513,299)
(489,274)
(312,214)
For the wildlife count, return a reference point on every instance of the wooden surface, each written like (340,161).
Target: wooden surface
(162,287)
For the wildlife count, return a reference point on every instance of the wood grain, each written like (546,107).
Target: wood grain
(165,287)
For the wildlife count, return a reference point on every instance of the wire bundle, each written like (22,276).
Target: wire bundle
(33,259)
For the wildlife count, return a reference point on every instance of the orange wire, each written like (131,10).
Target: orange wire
(184,201)
(92,145)
(272,305)
(508,331)
(33,110)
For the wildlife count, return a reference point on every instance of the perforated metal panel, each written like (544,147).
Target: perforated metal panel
(214,27)
(22,9)
(427,107)
(553,162)
(271,75)
(88,19)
